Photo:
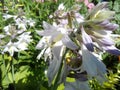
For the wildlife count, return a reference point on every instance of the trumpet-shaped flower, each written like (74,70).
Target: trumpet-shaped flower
(98,30)
(54,41)
(64,16)
(58,34)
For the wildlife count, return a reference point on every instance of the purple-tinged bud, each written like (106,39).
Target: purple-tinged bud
(104,22)
(108,26)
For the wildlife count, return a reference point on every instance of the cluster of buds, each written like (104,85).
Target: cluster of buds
(76,41)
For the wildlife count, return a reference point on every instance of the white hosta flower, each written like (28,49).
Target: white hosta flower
(25,37)
(7,16)
(60,12)
(44,44)
(23,41)
(52,48)
(61,7)
(54,54)
(22,45)
(11,30)
(53,44)
(31,22)
(11,48)
(57,34)
(21,23)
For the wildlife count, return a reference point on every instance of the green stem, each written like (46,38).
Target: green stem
(5,68)
(12,71)
(69,20)
(2,5)
(56,84)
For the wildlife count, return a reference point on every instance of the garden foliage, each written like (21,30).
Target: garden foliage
(59,45)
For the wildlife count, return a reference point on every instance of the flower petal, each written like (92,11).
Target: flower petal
(41,54)
(57,50)
(111,49)
(47,32)
(69,43)
(106,41)
(91,64)
(53,69)
(103,15)
(87,40)
(64,73)
(48,26)
(108,26)
(43,42)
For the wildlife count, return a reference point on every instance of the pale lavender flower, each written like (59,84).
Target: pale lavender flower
(58,34)
(65,16)
(55,40)
(98,30)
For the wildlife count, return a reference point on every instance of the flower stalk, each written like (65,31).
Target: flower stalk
(12,70)
(56,84)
